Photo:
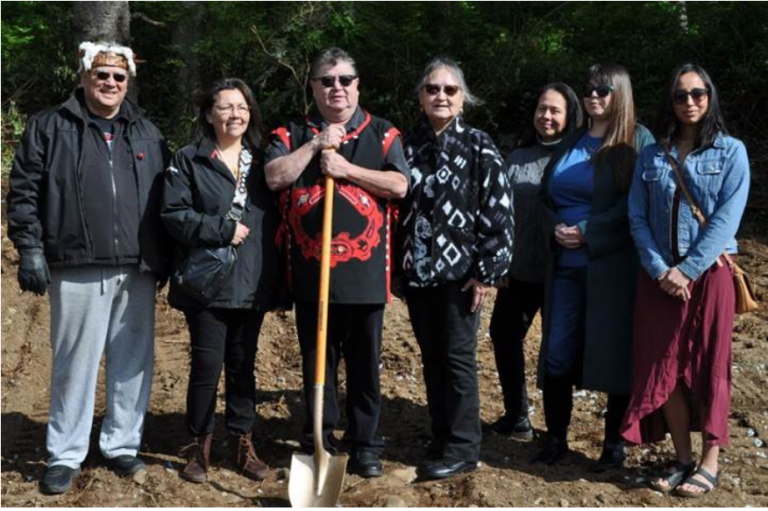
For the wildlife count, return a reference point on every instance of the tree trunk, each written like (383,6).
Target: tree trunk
(185,34)
(102,21)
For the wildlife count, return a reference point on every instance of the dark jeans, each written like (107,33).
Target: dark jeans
(565,352)
(513,314)
(447,335)
(354,332)
(219,337)
(568,306)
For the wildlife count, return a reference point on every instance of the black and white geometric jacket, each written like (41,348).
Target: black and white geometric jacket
(457,223)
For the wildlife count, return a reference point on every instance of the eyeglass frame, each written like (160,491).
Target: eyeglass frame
(590,89)
(449,90)
(697,94)
(117,77)
(324,80)
(230,109)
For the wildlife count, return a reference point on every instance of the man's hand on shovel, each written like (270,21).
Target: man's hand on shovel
(333,164)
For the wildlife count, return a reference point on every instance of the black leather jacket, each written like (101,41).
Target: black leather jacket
(45,197)
(198,194)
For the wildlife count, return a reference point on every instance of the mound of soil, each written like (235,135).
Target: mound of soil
(505,477)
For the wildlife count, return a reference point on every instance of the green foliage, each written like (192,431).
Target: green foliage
(12,128)
(507,50)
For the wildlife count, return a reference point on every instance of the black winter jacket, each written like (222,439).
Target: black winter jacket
(45,198)
(198,194)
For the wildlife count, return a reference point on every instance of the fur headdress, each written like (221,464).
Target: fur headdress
(106,54)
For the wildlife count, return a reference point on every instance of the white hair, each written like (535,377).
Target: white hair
(89,50)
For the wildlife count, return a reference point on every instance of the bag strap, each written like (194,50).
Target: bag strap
(692,203)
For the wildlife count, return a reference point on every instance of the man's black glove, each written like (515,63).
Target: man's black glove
(33,271)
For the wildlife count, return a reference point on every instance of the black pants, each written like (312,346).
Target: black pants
(558,404)
(219,337)
(354,332)
(513,314)
(447,334)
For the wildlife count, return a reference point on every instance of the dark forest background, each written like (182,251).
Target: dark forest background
(507,50)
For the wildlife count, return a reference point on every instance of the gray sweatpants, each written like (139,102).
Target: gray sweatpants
(97,309)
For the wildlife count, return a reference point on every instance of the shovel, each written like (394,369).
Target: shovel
(316,480)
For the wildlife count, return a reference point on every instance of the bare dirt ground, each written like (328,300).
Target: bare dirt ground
(504,479)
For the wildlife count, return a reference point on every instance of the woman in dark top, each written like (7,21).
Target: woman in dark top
(216,194)
(587,321)
(682,357)
(457,239)
(557,113)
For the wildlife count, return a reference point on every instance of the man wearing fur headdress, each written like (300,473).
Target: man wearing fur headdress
(83,213)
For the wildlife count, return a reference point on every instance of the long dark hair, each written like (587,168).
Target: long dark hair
(206,100)
(667,124)
(574,117)
(618,149)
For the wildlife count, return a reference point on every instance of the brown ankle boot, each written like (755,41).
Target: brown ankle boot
(245,457)
(198,455)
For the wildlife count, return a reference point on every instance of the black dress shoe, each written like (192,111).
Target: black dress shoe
(516,427)
(58,479)
(613,456)
(445,468)
(553,450)
(365,464)
(126,465)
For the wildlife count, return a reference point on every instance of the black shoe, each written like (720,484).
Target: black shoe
(58,479)
(553,450)
(516,427)
(365,464)
(126,465)
(445,468)
(613,456)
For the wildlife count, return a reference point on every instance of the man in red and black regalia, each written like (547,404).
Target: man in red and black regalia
(364,154)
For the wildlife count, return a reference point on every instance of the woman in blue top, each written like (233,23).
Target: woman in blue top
(682,358)
(587,338)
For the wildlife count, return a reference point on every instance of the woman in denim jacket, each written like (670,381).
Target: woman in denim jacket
(682,356)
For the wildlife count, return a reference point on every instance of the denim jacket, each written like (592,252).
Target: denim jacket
(718,179)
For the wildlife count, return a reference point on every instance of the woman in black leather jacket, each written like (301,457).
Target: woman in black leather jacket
(215,195)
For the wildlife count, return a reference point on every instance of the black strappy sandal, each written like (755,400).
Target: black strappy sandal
(695,482)
(674,475)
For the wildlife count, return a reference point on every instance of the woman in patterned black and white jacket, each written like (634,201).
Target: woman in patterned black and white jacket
(455,243)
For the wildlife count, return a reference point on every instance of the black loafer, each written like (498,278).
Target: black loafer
(126,465)
(613,456)
(552,451)
(445,468)
(516,427)
(365,464)
(58,479)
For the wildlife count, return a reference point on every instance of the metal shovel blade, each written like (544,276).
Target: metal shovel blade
(316,480)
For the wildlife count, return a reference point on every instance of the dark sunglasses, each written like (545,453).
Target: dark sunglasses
(104,76)
(602,90)
(698,95)
(433,89)
(329,81)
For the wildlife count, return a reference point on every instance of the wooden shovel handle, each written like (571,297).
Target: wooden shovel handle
(325,277)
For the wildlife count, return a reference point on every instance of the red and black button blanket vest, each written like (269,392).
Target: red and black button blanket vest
(361,243)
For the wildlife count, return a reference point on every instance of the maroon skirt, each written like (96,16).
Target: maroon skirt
(688,341)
